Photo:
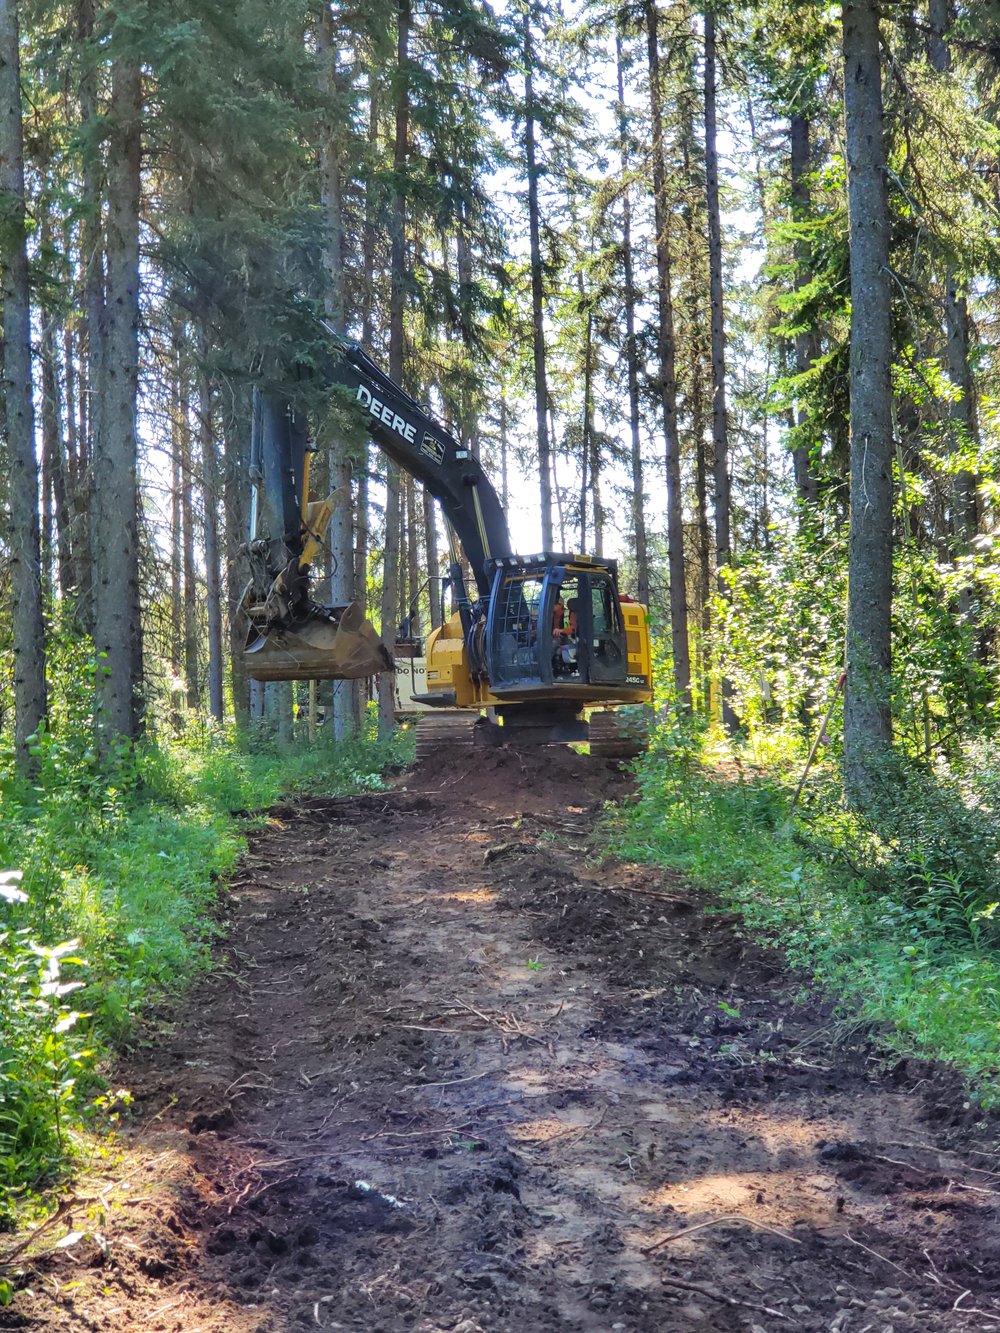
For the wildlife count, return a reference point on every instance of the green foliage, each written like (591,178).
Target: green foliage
(894,910)
(119,867)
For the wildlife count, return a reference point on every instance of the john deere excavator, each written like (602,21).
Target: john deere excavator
(542,639)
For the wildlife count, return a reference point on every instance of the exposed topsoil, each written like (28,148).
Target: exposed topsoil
(455,1071)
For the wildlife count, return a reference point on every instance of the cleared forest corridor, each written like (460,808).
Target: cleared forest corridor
(441,1079)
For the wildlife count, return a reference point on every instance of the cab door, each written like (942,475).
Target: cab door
(602,631)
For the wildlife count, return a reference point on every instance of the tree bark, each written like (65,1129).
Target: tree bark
(362,688)
(176,544)
(412,561)
(867,717)
(720,424)
(192,678)
(956,321)
(433,564)
(806,340)
(397,298)
(537,291)
(116,495)
(631,346)
(210,503)
(236,519)
(23,534)
(94,296)
(340,536)
(668,379)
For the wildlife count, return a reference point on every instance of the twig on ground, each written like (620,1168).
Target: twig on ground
(448,1032)
(891,1262)
(415,1133)
(636,888)
(67,1206)
(724,1300)
(714,1222)
(448,1082)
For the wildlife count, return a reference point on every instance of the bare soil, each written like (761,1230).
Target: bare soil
(455,1070)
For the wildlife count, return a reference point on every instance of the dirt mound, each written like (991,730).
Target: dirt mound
(505,780)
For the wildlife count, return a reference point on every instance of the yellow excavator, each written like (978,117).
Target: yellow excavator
(545,639)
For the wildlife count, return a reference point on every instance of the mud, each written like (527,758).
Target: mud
(455,1070)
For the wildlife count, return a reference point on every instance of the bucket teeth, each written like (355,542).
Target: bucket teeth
(337,645)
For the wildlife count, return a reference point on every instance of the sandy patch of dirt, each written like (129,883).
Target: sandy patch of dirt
(453,1072)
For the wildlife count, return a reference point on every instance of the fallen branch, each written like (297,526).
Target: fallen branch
(448,1082)
(714,1222)
(416,1133)
(635,888)
(724,1300)
(67,1206)
(891,1262)
(449,1032)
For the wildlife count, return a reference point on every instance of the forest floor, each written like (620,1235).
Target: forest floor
(455,1070)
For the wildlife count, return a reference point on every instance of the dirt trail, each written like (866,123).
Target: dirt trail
(443,1080)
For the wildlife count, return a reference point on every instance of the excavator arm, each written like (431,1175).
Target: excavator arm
(414,439)
(291,636)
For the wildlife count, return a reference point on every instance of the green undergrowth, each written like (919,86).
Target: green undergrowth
(893,910)
(108,908)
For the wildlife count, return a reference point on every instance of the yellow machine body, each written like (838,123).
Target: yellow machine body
(449,674)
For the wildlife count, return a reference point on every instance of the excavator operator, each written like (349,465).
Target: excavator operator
(564,636)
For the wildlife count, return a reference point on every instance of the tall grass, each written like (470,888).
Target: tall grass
(895,910)
(114,911)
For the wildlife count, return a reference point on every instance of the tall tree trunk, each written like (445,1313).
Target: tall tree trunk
(23,535)
(58,460)
(504,447)
(340,537)
(956,322)
(210,502)
(720,422)
(69,578)
(51,445)
(92,262)
(362,688)
(806,340)
(867,718)
(397,295)
(631,347)
(668,378)
(586,425)
(433,566)
(237,523)
(720,425)
(176,544)
(412,562)
(192,678)
(537,292)
(116,492)
(704,580)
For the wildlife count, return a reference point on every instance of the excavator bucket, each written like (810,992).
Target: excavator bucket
(339,645)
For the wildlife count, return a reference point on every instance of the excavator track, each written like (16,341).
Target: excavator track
(613,736)
(444,728)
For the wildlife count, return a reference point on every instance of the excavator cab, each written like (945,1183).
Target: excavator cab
(555,620)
